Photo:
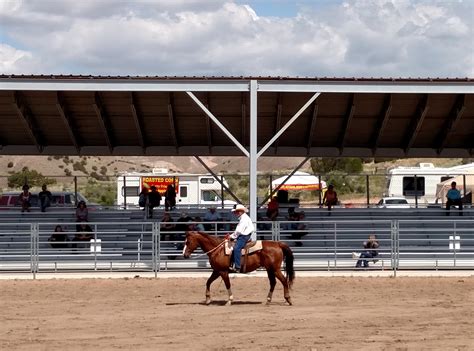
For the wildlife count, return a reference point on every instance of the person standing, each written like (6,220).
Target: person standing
(45,198)
(242,234)
(330,197)
(154,199)
(170,198)
(25,199)
(454,199)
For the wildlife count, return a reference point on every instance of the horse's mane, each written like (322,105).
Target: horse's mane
(214,239)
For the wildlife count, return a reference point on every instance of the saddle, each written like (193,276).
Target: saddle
(250,247)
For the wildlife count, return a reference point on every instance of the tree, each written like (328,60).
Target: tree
(30,177)
(338,171)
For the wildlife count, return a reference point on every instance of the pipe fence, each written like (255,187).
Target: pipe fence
(317,245)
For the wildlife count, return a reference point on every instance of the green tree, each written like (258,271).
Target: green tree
(341,172)
(30,177)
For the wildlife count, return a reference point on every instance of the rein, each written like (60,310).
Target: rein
(208,252)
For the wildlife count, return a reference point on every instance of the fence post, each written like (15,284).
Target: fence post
(394,248)
(335,245)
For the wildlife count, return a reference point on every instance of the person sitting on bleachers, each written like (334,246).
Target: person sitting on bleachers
(58,240)
(167,225)
(454,199)
(272,209)
(371,251)
(84,234)
(154,200)
(298,228)
(211,216)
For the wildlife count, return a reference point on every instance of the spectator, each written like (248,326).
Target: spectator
(298,228)
(154,200)
(371,246)
(170,198)
(454,199)
(272,209)
(84,234)
(167,225)
(211,216)
(25,199)
(199,226)
(330,197)
(143,198)
(58,240)
(45,198)
(82,213)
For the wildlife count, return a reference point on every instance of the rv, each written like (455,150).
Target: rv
(192,190)
(421,184)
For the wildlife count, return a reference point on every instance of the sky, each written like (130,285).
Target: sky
(319,38)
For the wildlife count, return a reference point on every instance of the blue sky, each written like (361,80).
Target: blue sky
(364,38)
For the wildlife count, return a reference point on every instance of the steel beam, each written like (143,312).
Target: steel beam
(172,120)
(243,113)
(28,120)
(137,120)
(68,122)
(219,124)
(417,121)
(288,124)
(208,122)
(216,177)
(347,122)
(253,156)
(103,121)
(312,126)
(278,119)
(450,125)
(382,122)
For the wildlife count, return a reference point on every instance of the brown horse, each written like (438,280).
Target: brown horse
(270,257)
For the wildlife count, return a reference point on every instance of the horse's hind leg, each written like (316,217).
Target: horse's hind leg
(286,288)
(271,278)
(213,277)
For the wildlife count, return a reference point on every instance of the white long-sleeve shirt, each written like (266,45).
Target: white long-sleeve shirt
(245,227)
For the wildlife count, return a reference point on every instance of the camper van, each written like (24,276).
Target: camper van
(421,184)
(192,190)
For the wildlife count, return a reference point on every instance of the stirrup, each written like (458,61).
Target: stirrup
(233,270)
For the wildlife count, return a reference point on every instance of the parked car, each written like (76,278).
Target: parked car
(393,202)
(60,199)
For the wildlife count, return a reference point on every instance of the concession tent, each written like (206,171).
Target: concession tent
(300,181)
(443,187)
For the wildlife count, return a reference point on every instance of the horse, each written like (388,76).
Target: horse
(270,257)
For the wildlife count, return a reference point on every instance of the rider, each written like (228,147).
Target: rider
(242,234)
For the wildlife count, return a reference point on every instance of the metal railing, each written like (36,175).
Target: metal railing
(317,245)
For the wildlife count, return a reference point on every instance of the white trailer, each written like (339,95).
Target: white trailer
(192,190)
(419,184)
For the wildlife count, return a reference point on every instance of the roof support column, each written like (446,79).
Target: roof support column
(253,157)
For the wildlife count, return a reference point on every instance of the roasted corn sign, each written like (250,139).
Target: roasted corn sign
(161,183)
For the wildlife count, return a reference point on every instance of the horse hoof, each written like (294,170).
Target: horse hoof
(229,303)
(288,299)
(208,301)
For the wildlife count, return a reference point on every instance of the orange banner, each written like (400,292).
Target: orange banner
(300,187)
(161,183)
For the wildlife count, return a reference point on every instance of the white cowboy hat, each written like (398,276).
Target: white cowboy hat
(240,207)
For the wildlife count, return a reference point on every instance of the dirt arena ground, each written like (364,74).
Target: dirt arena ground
(169,314)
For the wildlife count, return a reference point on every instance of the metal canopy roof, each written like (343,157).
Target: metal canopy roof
(82,115)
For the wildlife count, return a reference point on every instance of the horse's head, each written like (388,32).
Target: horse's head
(190,244)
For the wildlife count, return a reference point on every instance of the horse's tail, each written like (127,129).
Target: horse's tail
(289,259)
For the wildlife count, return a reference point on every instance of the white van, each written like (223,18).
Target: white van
(192,190)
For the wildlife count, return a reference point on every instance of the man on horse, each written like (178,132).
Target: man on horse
(242,235)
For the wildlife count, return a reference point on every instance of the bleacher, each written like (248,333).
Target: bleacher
(125,238)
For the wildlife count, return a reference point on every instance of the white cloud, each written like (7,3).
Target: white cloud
(194,37)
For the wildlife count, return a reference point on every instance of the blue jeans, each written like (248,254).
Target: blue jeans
(239,245)
(365,254)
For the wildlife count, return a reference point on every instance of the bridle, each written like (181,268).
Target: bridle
(208,252)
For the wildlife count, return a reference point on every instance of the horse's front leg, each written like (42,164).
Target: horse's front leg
(213,277)
(225,278)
